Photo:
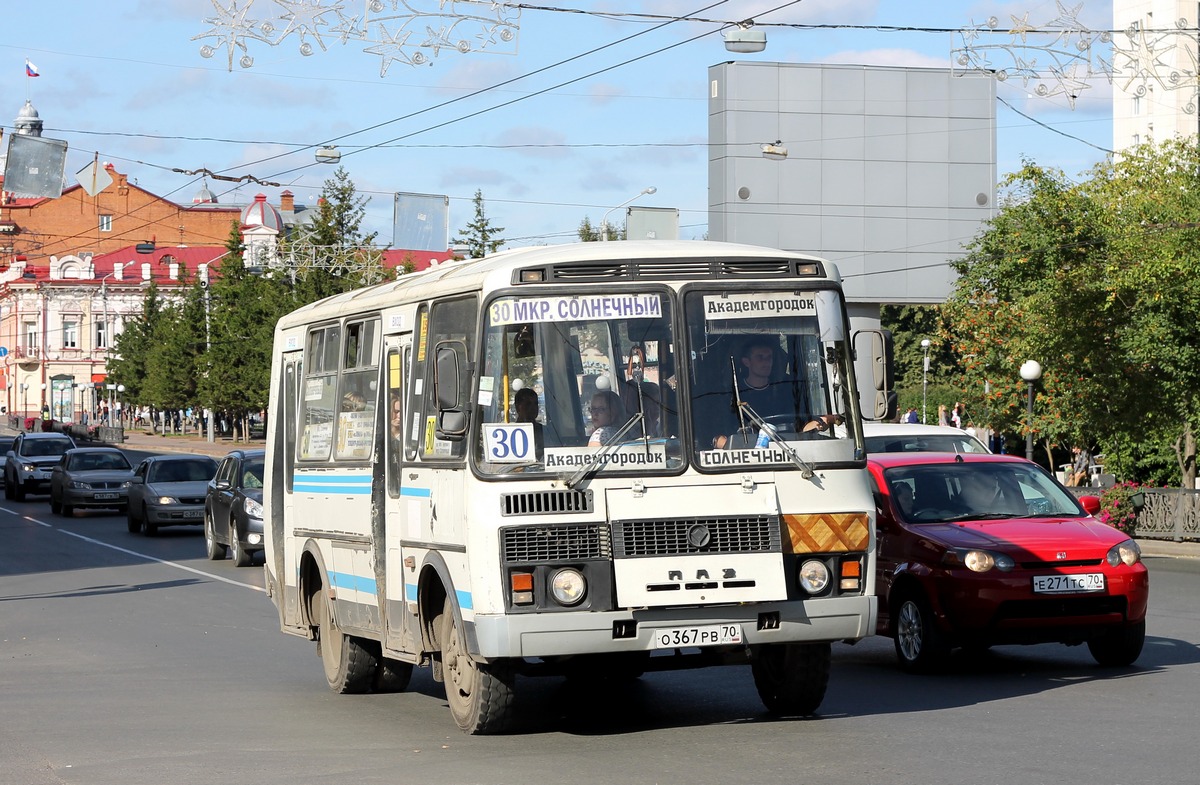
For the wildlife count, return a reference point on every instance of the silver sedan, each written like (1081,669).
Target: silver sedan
(168,490)
(90,477)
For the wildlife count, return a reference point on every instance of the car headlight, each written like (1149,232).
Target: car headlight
(253,509)
(28,467)
(814,576)
(167,500)
(568,586)
(977,560)
(1127,552)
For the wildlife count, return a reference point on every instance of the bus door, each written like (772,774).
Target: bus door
(402,516)
(282,498)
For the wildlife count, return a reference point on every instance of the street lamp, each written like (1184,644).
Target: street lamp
(604,220)
(120,415)
(1031,371)
(925,383)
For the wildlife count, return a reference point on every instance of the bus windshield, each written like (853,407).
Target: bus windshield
(575,381)
(766,376)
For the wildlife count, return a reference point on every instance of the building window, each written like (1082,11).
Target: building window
(101,335)
(1137,138)
(106,223)
(31,337)
(70,334)
(1136,105)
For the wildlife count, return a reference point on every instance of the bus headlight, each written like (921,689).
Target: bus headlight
(814,576)
(568,587)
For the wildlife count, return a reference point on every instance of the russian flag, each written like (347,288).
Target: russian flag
(30,68)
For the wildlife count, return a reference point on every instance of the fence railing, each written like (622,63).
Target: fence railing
(1167,514)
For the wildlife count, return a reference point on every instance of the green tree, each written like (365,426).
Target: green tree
(242,311)
(589,233)
(332,254)
(130,362)
(479,235)
(174,357)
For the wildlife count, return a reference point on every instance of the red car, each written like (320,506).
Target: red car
(976,550)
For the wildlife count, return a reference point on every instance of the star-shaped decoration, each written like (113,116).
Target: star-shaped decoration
(436,39)
(391,49)
(348,27)
(230,27)
(1021,27)
(304,17)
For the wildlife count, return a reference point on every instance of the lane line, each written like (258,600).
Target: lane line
(128,552)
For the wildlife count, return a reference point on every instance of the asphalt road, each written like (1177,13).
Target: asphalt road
(127,660)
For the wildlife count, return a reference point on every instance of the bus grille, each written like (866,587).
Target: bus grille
(532,544)
(545,502)
(749,534)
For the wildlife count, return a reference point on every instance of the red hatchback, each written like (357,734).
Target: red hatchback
(976,550)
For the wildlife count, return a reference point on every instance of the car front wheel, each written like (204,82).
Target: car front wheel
(920,644)
(1119,647)
(241,556)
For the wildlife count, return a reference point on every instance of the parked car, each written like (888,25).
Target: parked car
(976,550)
(906,437)
(6,443)
(90,477)
(28,463)
(233,513)
(168,490)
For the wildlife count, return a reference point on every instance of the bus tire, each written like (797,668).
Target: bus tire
(480,695)
(349,666)
(791,677)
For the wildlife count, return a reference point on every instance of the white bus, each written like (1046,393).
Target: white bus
(550,461)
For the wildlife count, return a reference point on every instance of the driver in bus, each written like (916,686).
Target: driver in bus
(765,395)
(525,402)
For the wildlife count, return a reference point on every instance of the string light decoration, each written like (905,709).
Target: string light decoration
(410,32)
(1062,56)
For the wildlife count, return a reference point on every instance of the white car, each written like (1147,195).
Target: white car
(30,460)
(908,437)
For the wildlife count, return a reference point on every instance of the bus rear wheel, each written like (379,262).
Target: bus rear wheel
(791,677)
(480,695)
(349,666)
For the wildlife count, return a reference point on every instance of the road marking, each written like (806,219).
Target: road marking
(119,549)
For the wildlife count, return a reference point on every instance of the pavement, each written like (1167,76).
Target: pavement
(141,439)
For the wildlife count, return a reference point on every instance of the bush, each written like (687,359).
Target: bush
(1116,506)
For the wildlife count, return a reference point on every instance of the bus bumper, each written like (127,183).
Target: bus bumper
(561,634)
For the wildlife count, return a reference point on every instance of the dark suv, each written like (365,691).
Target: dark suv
(29,462)
(233,513)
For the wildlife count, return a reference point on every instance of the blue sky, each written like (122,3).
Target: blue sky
(581,133)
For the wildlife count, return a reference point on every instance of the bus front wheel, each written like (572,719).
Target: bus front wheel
(791,677)
(349,666)
(480,695)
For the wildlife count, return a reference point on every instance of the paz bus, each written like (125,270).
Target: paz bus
(546,462)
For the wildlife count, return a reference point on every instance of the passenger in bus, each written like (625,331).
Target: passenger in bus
(526,404)
(353,402)
(608,415)
(394,418)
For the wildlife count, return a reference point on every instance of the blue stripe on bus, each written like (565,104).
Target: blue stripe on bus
(355,484)
(345,580)
(465,602)
(422,493)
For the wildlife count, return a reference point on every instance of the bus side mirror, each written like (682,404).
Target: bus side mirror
(446,378)
(879,400)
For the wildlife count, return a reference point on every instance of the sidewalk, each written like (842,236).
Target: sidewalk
(140,439)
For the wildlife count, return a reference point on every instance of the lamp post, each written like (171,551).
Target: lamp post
(604,220)
(120,415)
(1031,371)
(24,401)
(925,383)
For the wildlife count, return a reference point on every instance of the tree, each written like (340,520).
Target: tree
(1096,280)
(480,236)
(175,354)
(131,361)
(242,311)
(591,234)
(332,255)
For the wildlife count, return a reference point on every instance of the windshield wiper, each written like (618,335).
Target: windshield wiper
(573,479)
(806,469)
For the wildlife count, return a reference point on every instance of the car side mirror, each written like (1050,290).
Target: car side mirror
(137,480)
(1091,504)
(222,485)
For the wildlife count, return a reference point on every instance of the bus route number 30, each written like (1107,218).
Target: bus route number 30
(509,442)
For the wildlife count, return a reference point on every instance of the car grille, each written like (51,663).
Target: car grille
(192,500)
(1055,607)
(534,544)
(748,534)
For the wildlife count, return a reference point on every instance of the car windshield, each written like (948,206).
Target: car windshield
(959,491)
(101,461)
(183,471)
(958,443)
(41,447)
